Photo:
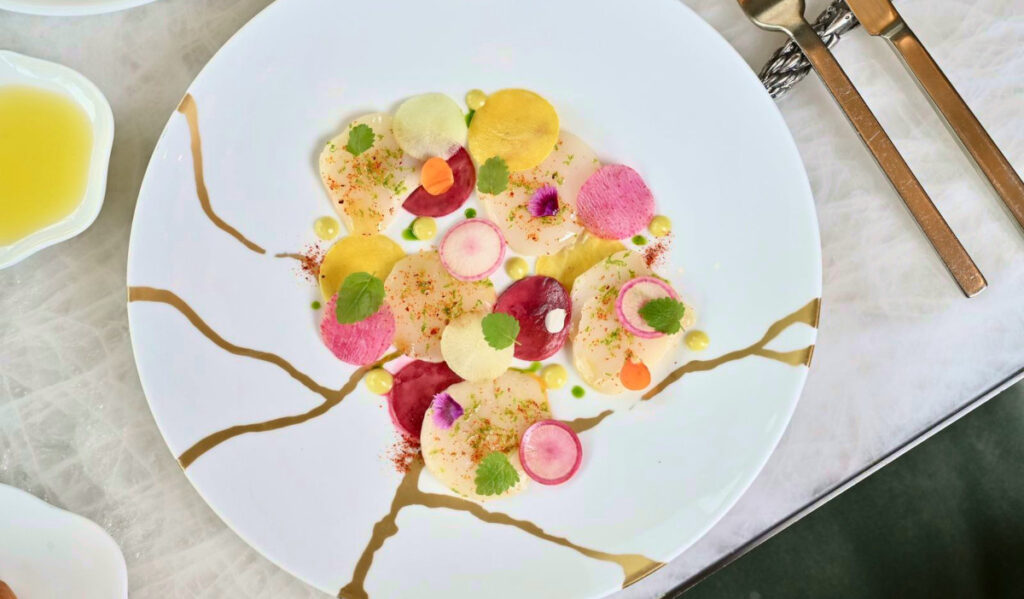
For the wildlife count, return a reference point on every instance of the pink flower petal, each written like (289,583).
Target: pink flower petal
(445,410)
(544,202)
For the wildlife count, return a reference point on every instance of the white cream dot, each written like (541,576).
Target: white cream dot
(554,321)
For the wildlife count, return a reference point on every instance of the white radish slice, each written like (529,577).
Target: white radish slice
(633,296)
(472,249)
(550,452)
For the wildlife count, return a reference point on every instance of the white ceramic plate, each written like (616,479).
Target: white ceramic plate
(645,83)
(48,553)
(68,8)
(18,69)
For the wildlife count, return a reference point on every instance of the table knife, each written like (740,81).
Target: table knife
(880,18)
(787,16)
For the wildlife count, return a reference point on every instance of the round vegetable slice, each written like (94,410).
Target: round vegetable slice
(358,343)
(550,452)
(374,254)
(515,124)
(422,203)
(467,352)
(531,301)
(633,295)
(472,249)
(413,388)
(615,203)
(429,125)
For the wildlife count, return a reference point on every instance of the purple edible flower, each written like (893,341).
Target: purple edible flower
(445,410)
(544,201)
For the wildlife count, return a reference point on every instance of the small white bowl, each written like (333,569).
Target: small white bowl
(48,552)
(17,69)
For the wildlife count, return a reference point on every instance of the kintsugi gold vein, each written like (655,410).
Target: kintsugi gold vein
(332,397)
(807,315)
(188,108)
(634,566)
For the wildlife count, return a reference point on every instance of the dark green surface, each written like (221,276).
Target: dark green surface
(944,520)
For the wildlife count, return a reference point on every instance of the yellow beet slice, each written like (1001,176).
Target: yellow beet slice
(570,262)
(516,124)
(375,254)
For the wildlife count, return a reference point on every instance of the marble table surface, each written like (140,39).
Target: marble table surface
(899,350)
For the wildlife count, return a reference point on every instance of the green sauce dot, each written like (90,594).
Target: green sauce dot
(315,305)
(470,212)
(639,240)
(408,234)
(578,391)
(534,367)
(469,117)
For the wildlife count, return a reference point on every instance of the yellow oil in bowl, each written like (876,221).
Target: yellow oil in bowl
(45,147)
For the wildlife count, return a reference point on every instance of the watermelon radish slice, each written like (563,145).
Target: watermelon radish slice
(532,301)
(472,249)
(614,203)
(359,343)
(550,452)
(421,203)
(633,295)
(415,386)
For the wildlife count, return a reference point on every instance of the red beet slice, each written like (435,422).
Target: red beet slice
(415,386)
(421,203)
(529,300)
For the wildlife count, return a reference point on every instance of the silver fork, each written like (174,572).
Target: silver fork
(787,16)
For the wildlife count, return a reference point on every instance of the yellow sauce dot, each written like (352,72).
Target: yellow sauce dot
(424,228)
(660,226)
(517,268)
(555,376)
(378,381)
(475,98)
(697,340)
(326,227)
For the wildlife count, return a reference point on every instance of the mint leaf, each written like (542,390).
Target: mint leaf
(492,176)
(359,298)
(500,330)
(495,474)
(360,139)
(663,314)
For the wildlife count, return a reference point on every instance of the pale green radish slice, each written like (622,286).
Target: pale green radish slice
(430,125)
(467,352)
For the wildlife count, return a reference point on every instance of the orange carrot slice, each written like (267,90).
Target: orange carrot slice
(436,176)
(635,375)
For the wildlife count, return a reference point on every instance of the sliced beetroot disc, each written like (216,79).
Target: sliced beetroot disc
(550,452)
(421,203)
(415,386)
(530,301)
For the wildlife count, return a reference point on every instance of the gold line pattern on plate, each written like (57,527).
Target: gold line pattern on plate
(188,108)
(807,315)
(332,397)
(634,566)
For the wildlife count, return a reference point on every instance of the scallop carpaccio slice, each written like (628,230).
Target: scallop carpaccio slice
(530,300)
(415,386)
(421,203)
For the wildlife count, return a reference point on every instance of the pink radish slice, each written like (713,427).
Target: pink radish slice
(550,452)
(530,300)
(359,343)
(633,295)
(472,249)
(415,386)
(421,203)
(614,203)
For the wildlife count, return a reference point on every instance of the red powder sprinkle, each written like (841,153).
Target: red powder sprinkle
(655,253)
(403,453)
(309,261)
